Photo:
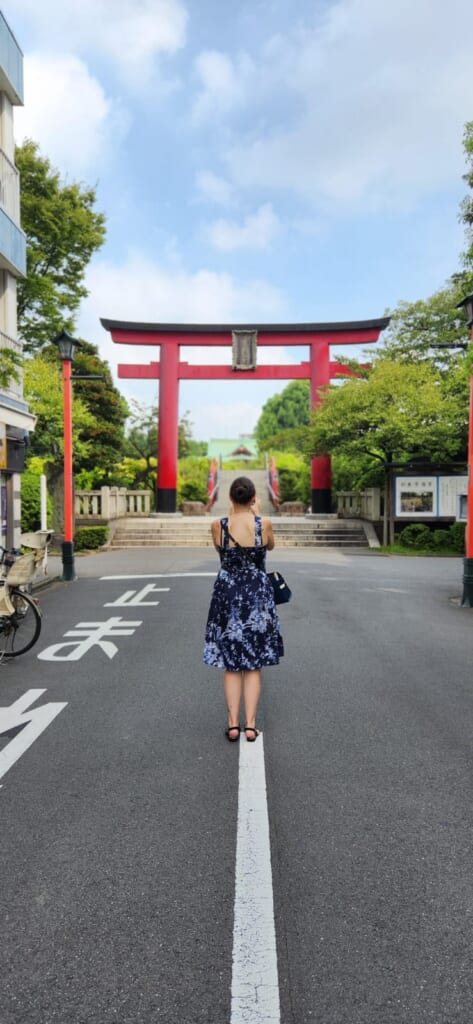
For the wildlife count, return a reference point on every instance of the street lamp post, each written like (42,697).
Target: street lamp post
(467,599)
(67,347)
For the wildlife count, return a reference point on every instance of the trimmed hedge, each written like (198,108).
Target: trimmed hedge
(419,536)
(88,538)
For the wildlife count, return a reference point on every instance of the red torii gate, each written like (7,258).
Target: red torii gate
(170,369)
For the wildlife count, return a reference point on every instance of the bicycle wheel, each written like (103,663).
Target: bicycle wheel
(18,632)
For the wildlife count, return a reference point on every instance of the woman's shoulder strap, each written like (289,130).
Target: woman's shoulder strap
(224,535)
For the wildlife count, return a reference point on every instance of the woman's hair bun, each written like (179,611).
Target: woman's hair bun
(242,490)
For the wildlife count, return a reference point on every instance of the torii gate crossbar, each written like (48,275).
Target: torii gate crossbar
(319,369)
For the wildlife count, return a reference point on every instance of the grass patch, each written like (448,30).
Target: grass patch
(401,549)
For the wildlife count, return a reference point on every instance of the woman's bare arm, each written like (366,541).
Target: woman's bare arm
(216,528)
(268,535)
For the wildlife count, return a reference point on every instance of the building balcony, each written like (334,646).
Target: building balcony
(11,65)
(12,246)
(9,187)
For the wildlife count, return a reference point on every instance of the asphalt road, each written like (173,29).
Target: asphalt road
(119,819)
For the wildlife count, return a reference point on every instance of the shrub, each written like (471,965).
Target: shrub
(31,502)
(457,537)
(442,539)
(192,480)
(88,538)
(294,476)
(288,484)
(416,535)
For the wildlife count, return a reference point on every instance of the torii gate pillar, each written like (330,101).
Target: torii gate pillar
(321,465)
(169,370)
(166,490)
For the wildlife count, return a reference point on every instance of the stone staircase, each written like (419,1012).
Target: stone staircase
(194,531)
(225,480)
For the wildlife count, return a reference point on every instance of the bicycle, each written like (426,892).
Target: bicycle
(20,615)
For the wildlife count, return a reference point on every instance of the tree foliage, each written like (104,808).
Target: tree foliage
(109,409)
(284,414)
(141,444)
(10,363)
(98,416)
(418,328)
(43,390)
(400,412)
(63,231)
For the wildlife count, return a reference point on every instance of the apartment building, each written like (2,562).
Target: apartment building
(15,419)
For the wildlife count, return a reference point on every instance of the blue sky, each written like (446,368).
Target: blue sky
(261,161)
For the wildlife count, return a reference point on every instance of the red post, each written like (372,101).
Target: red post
(68,485)
(68,528)
(469,525)
(467,599)
(321,466)
(166,492)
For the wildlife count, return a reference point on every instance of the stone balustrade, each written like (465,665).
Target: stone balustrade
(111,503)
(360,504)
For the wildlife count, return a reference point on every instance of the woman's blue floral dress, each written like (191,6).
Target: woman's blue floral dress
(243,630)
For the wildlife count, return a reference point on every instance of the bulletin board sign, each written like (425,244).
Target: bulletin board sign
(429,497)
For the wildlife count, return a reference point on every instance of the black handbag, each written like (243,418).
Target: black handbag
(282,592)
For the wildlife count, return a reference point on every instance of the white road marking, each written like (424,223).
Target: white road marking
(33,721)
(158,575)
(94,633)
(255,988)
(137,597)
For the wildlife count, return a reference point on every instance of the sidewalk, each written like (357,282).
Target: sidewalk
(54,573)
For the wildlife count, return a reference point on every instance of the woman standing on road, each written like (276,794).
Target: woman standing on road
(243,632)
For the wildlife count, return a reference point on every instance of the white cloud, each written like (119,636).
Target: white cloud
(141,290)
(128,33)
(214,188)
(67,112)
(222,83)
(256,232)
(363,108)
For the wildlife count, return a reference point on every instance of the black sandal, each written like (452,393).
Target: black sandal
(251,739)
(232,728)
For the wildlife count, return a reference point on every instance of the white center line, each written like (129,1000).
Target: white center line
(255,988)
(157,575)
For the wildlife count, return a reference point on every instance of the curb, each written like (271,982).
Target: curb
(41,584)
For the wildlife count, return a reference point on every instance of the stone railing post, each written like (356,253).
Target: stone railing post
(371,504)
(105,503)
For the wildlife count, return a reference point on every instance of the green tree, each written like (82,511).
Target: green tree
(63,231)
(417,329)
(187,446)
(100,436)
(10,363)
(106,436)
(43,389)
(284,414)
(141,443)
(399,412)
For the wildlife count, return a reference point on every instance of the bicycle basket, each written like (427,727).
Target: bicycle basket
(22,571)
